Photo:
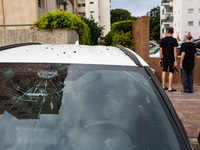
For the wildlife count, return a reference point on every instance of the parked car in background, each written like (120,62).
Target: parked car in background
(152,44)
(76,97)
(155,52)
(195,40)
(197,43)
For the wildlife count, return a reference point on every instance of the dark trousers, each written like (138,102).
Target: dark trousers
(187,80)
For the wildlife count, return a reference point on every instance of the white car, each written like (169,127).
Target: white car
(75,97)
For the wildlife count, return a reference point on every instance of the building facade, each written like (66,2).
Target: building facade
(99,9)
(19,13)
(182,15)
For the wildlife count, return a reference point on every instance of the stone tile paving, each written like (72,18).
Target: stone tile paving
(187,107)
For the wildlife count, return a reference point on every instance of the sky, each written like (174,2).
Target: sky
(135,7)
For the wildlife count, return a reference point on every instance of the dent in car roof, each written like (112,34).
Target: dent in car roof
(77,54)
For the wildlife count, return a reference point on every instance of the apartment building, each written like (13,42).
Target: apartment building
(20,13)
(166,16)
(182,15)
(99,9)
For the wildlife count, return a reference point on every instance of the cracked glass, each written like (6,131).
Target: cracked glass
(82,107)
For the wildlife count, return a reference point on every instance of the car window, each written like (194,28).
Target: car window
(83,107)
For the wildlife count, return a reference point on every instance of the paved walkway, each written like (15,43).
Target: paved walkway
(187,107)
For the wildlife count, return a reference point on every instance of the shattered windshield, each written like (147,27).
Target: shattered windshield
(82,107)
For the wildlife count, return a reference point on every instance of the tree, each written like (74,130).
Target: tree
(154,18)
(120,15)
(96,30)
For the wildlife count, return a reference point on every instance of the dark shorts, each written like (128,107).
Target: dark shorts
(170,65)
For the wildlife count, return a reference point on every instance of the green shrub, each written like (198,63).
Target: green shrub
(121,33)
(61,20)
(108,39)
(124,39)
(125,26)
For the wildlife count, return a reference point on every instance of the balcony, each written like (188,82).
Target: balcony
(167,11)
(168,20)
(165,2)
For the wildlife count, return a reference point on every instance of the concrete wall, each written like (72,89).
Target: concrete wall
(141,40)
(58,36)
(46,5)
(17,12)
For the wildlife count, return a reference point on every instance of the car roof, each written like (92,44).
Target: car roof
(76,54)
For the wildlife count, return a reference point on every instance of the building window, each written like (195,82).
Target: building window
(199,10)
(190,23)
(81,14)
(91,12)
(190,11)
(91,2)
(199,23)
(41,3)
(79,5)
(83,5)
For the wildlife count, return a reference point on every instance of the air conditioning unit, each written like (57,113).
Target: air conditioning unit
(62,1)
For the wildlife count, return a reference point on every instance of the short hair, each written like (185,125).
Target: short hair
(170,30)
(188,36)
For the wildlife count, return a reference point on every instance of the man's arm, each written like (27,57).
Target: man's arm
(182,58)
(195,55)
(175,56)
(160,55)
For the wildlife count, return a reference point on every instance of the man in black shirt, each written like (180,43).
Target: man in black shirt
(168,57)
(188,54)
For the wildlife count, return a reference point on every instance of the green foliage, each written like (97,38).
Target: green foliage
(119,15)
(108,39)
(121,33)
(124,39)
(154,18)
(96,30)
(125,26)
(61,20)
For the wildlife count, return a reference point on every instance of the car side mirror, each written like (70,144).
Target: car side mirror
(199,138)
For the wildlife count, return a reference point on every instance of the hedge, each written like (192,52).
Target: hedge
(60,20)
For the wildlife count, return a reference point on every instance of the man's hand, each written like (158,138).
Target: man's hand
(175,63)
(181,66)
(160,63)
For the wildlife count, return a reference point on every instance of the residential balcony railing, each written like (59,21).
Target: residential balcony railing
(169,9)
(165,1)
(168,20)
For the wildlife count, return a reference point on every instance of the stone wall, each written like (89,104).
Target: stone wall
(141,40)
(57,36)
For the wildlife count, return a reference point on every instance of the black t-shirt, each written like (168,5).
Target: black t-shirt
(190,50)
(168,43)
